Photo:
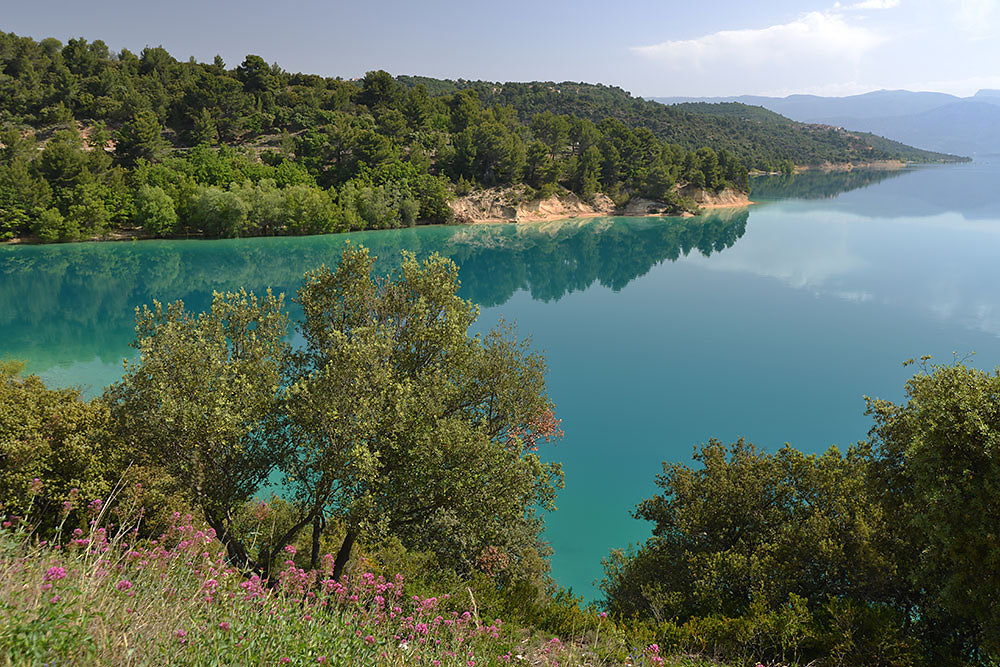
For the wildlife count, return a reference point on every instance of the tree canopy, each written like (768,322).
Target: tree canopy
(391,419)
(886,554)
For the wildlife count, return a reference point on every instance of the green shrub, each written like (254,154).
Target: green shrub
(52,449)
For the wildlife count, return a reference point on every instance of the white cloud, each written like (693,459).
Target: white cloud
(872,4)
(814,35)
(853,47)
(816,48)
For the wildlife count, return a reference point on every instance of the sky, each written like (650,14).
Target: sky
(649,47)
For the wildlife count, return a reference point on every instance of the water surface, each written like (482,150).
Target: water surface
(770,323)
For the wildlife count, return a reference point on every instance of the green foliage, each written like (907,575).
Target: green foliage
(379,89)
(23,191)
(140,138)
(36,636)
(489,154)
(50,226)
(63,163)
(51,436)
(392,420)
(883,556)
(588,171)
(201,401)
(155,211)
(204,130)
(938,468)
(367,206)
(750,526)
(219,212)
(411,427)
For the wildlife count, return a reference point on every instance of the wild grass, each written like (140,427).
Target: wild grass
(99,595)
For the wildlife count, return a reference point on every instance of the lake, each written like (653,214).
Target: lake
(771,322)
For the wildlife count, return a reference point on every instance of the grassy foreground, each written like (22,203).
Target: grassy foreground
(95,597)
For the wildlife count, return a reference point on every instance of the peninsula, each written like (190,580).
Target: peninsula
(98,144)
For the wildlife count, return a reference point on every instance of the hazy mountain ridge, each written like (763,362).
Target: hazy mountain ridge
(932,121)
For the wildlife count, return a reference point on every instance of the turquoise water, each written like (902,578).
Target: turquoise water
(660,333)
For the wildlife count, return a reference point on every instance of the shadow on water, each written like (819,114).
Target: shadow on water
(74,303)
(817,184)
(968,189)
(554,259)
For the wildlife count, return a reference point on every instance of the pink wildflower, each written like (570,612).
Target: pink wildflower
(369,639)
(290,549)
(55,573)
(35,487)
(224,625)
(123,585)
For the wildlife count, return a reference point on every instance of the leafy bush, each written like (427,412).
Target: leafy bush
(49,448)
(883,556)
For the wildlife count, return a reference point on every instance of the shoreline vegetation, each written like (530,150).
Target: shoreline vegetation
(95,143)
(502,205)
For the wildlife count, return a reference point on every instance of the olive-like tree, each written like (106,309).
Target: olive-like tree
(391,419)
(203,402)
(407,424)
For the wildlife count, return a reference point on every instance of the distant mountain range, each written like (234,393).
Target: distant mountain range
(933,121)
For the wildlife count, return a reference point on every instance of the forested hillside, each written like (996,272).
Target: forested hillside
(821,143)
(94,141)
(759,138)
(935,121)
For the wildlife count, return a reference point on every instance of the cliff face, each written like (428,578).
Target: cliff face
(726,198)
(510,205)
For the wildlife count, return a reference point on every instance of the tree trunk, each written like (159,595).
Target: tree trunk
(285,539)
(319,522)
(344,554)
(236,552)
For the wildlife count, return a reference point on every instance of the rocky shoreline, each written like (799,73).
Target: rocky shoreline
(511,205)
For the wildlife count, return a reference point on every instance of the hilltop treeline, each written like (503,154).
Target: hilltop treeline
(760,139)
(95,140)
